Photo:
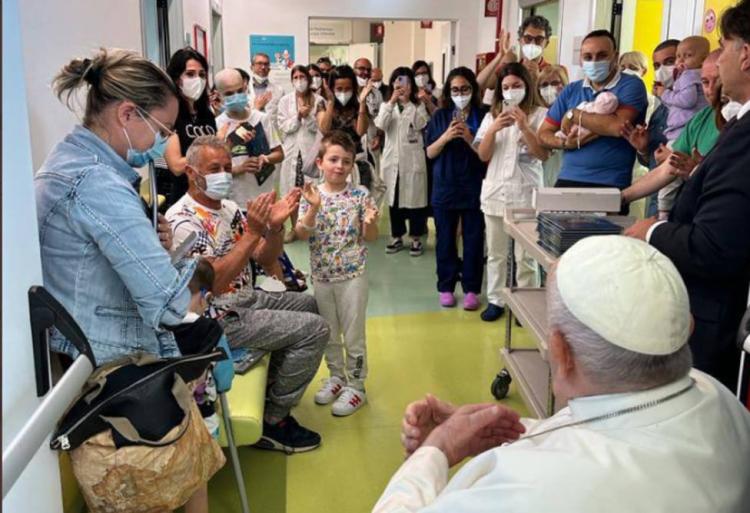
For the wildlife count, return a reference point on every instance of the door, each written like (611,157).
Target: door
(216,62)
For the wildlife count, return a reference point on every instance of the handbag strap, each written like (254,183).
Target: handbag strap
(182,395)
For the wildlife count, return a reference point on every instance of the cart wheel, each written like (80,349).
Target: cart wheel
(501,384)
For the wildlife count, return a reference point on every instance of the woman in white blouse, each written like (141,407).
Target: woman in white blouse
(507,140)
(297,122)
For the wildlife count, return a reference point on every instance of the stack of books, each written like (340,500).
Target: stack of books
(558,232)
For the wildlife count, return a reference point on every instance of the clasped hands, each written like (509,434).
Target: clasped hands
(459,432)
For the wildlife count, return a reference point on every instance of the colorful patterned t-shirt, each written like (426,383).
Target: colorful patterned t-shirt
(217,232)
(337,248)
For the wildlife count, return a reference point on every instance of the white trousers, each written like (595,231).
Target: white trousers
(344,306)
(497,257)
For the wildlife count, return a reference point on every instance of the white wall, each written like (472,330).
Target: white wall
(290,17)
(38,488)
(52,34)
(197,12)
(486,29)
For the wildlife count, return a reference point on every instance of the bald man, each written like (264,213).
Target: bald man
(695,141)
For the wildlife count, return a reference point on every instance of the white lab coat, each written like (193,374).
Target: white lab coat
(513,172)
(297,136)
(403,154)
(690,454)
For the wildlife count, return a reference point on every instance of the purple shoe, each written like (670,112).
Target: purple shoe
(447,300)
(471,301)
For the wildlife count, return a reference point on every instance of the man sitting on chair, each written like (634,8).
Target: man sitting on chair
(641,431)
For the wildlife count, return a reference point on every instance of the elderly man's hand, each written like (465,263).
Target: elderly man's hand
(420,418)
(262,100)
(165,232)
(283,208)
(258,212)
(640,228)
(473,429)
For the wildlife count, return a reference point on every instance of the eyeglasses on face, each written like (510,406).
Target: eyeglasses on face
(529,39)
(461,90)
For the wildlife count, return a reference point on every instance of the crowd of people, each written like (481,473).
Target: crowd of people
(241,160)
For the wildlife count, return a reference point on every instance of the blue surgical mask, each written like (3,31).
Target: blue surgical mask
(236,102)
(597,71)
(139,158)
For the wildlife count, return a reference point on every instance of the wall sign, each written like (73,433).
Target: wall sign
(491,8)
(330,32)
(280,50)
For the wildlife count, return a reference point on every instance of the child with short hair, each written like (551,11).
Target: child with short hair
(337,219)
(684,100)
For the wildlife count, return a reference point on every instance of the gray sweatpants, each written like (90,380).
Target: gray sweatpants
(288,325)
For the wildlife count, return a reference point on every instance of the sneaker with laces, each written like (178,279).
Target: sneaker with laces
(395,246)
(330,390)
(348,402)
(288,436)
(416,249)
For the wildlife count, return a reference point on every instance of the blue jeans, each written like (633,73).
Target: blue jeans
(449,267)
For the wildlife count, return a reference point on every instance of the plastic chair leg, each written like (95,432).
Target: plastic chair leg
(233,454)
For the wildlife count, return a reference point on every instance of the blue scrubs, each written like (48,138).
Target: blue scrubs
(457,175)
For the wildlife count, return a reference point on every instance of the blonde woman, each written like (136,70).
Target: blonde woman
(552,80)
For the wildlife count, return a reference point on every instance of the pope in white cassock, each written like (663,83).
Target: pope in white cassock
(641,432)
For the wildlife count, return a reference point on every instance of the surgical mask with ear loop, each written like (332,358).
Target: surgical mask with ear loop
(218,185)
(139,158)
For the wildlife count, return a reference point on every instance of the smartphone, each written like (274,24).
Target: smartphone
(458,115)
(402,81)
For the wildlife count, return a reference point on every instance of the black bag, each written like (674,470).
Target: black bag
(137,392)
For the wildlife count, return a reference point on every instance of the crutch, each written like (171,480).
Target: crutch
(743,342)
(233,454)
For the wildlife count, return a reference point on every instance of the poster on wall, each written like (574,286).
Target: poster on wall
(280,50)
(712,11)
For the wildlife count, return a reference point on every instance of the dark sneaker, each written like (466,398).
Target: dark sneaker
(492,313)
(288,436)
(395,246)
(416,249)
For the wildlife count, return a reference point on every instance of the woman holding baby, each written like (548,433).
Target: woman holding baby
(507,140)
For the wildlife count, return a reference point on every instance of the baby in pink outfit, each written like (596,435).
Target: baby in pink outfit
(605,103)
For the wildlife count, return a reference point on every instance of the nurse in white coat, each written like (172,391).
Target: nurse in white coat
(507,140)
(404,167)
(298,126)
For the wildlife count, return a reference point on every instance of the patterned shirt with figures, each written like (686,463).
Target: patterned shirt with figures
(217,231)
(337,249)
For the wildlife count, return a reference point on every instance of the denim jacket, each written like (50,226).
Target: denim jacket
(101,257)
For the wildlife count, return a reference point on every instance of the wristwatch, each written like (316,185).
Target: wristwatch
(569,114)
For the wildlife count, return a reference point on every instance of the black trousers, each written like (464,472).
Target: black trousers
(417,218)
(625,210)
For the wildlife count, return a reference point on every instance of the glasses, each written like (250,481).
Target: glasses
(554,83)
(263,64)
(164,130)
(529,39)
(461,90)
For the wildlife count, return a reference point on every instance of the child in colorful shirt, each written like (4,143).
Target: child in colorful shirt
(337,219)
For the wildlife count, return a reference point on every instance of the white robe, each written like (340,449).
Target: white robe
(688,455)
(403,153)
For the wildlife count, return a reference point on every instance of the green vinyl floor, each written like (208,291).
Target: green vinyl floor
(414,347)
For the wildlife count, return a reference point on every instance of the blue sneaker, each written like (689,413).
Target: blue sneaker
(492,313)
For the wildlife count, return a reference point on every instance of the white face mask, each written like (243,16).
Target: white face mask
(422,80)
(300,85)
(218,185)
(343,97)
(514,96)
(461,101)
(628,71)
(316,83)
(549,93)
(532,51)
(361,82)
(665,75)
(378,84)
(731,110)
(193,87)
(258,79)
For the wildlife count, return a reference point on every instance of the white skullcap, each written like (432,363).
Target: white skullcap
(627,292)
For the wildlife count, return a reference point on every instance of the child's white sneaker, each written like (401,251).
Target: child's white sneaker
(330,390)
(349,401)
